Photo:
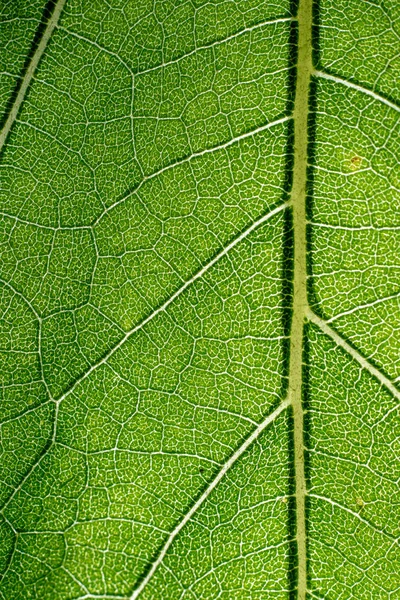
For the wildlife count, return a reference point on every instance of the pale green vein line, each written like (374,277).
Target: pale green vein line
(186,159)
(79,583)
(233,559)
(145,453)
(19,19)
(357,87)
(212,44)
(365,364)
(229,463)
(354,227)
(314,596)
(363,307)
(58,142)
(22,414)
(20,295)
(96,45)
(105,520)
(20,485)
(218,42)
(7,73)
(100,597)
(356,464)
(14,549)
(178,292)
(40,226)
(40,323)
(299,195)
(52,22)
(353,513)
(137,328)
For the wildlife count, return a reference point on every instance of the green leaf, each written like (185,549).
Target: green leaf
(200,299)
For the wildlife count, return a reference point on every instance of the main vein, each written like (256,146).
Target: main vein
(51,24)
(299,191)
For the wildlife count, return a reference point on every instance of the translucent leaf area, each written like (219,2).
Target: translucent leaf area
(199,300)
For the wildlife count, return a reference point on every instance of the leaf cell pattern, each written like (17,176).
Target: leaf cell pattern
(199,300)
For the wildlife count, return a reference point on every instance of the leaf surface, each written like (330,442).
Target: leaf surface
(199,293)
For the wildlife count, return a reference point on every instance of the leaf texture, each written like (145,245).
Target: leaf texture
(199,300)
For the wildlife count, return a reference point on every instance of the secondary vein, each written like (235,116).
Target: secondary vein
(177,293)
(365,364)
(23,90)
(229,463)
(359,88)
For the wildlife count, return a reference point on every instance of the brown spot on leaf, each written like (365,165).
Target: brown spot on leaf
(355,162)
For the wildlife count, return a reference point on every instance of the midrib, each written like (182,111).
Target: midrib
(304,69)
(301,310)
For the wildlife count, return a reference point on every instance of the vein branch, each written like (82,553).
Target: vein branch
(359,88)
(181,57)
(163,307)
(365,364)
(185,159)
(178,292)
(354,514)
(229,463)
(23,90)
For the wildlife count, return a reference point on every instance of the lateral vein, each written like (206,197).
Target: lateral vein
(355,309)
(359,88)
(354,514)
(229,463)
(51,24)
(178,292)
(185,159)
(173,61)
(163,307)
(365,364)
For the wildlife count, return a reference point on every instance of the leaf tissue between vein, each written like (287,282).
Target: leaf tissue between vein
(199,300)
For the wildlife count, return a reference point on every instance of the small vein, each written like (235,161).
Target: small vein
(23,298)
(145,453)
(51,24)
(182,56)
(312,594)
(79,583)
(365,364)
(101,597)
(362,465)
(25,412)
(363,306)
(359,88)
(40,225)
(354,514)
(49,444)
(138,327)
(355,227)
(98,46)
(190,157)
(178,292)
(234,559)
(229,463)
(217,43)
